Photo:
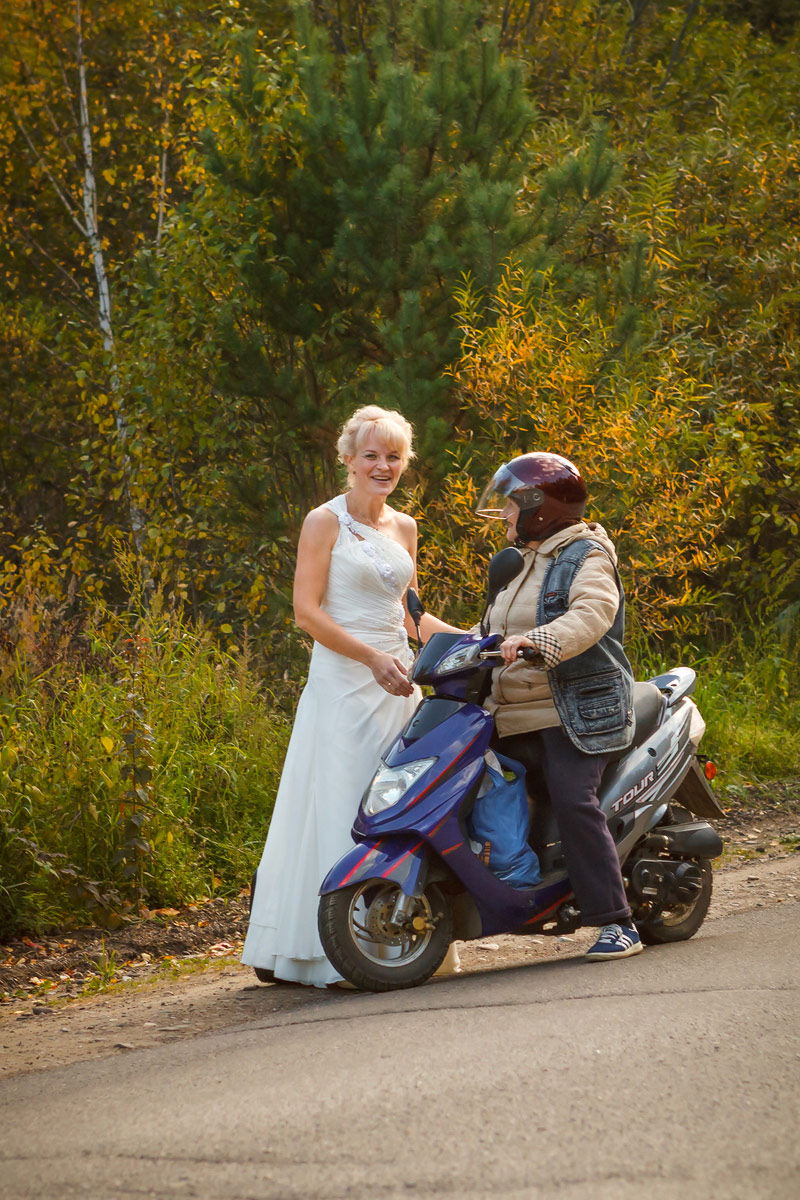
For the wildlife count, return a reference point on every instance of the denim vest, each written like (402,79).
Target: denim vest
(593,692)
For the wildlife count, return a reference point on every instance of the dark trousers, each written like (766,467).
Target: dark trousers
(572,779)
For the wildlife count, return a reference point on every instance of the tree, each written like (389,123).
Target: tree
(91,94)
(692,447)
(364,187)
(318,267)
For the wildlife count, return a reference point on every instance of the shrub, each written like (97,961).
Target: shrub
(138,766)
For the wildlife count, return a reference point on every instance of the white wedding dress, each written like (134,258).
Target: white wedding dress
(344,721)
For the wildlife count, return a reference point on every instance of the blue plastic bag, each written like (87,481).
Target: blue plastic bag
(500,822)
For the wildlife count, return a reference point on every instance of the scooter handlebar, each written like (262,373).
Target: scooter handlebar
(528,653)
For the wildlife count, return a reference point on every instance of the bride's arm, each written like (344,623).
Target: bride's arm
(429,623)
(317,538)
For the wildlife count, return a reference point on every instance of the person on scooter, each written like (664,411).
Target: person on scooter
(566,712)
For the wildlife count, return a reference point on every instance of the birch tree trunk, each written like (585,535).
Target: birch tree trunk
(104,312)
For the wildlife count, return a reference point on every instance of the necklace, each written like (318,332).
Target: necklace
(370,524)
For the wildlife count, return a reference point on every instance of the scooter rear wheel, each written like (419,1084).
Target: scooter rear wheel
(682,921)
(370,951)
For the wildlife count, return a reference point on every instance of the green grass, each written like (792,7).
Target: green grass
(139,767)
(746,691)
(139,760)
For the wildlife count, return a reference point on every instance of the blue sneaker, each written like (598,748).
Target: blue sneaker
(615,941)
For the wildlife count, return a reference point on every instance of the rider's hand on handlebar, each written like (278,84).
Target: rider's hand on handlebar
(392,675)
(516,646)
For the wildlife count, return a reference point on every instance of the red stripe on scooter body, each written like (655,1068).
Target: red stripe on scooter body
(400,861)
(360,863)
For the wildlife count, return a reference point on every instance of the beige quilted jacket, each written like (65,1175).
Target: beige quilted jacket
(521,699)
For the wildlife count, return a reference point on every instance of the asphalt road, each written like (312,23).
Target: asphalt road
(675,1074)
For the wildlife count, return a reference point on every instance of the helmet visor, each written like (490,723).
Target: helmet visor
(502,487)
(494,496)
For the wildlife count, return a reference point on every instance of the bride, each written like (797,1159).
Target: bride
(356,558)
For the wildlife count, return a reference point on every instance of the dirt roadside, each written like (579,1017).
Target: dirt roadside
(177,974)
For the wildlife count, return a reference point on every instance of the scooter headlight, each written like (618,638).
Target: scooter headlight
(459,659)
(391,784)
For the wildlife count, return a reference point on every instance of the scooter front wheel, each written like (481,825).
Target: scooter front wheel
(370,949)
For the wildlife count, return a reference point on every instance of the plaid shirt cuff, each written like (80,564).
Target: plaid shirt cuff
(548,646)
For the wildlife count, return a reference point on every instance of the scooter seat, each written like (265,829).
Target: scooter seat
(648,706)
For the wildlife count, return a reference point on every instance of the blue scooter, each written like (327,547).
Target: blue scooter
(413,881)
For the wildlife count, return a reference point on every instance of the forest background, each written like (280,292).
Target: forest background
(560,224)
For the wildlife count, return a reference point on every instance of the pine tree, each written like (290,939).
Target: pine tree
(365,187)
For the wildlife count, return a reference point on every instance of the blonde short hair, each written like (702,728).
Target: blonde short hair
(390,426)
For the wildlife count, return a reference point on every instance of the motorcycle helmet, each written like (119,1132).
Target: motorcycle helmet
(547,488)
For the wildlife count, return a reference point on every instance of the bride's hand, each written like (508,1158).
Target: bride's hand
(391,674)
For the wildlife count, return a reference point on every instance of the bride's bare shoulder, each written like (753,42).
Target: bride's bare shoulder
(320,525)
(406,525)
(405,531)
(322,515)
(403,521)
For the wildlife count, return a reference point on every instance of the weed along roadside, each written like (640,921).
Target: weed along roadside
(121,859)
(137,773)
(138,763)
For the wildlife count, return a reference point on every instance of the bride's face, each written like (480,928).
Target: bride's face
(375,468)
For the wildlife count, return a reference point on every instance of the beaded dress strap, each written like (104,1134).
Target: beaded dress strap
(383,567)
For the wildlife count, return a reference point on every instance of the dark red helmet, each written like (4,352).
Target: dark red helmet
(548,489)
